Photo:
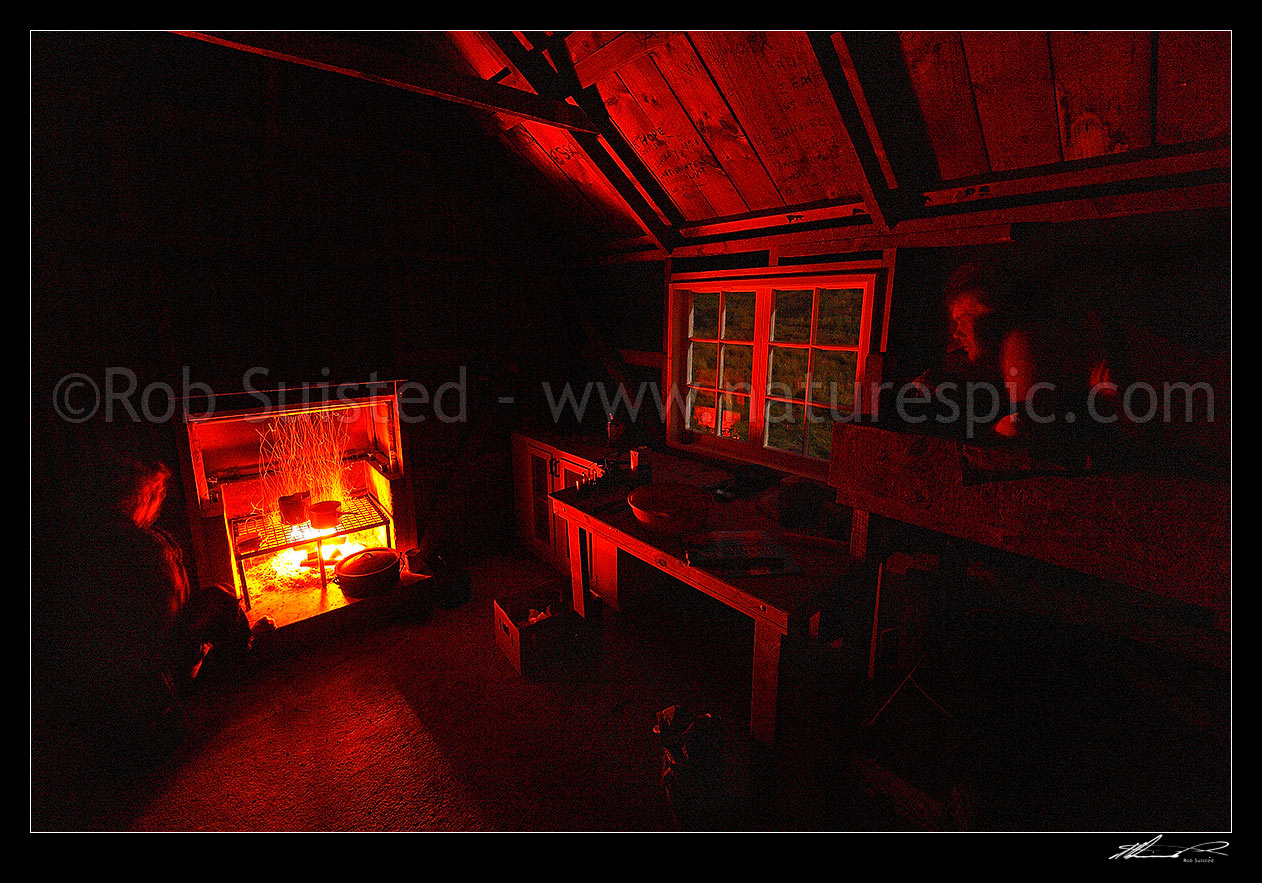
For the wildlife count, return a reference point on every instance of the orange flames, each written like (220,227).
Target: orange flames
(294,562)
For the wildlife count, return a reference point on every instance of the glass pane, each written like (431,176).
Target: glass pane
(839,313)
(705,316)
(819,433)
(738,315)
(832,379)
(734,412)
(539,484)
(784,427)
(701,411)
(703,364)
(738,367)
(786,372)
(791,317)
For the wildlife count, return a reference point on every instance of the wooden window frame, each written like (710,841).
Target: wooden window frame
(763,282)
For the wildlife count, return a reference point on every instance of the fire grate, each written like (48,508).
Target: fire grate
(264,534)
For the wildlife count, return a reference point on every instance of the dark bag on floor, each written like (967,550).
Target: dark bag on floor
(692,767)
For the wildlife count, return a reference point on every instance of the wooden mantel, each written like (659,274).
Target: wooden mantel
(1162,533)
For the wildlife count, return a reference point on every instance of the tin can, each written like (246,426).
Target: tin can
(641,464)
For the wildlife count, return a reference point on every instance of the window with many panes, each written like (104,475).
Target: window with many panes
(769,365)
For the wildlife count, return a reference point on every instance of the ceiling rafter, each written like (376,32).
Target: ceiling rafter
(344,57)
(568,86)
(865,150)
(635,185)
(553,83)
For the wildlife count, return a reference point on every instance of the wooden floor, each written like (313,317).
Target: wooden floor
(400,720)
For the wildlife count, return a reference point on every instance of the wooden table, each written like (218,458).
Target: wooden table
(601,524)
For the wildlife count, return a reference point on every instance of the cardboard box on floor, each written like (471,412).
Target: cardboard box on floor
(532,646)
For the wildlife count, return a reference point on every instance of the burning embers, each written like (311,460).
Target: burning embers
(287,585)
(292,562)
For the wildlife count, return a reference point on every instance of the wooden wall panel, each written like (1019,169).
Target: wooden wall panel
(1016,102)
(685,154)
(1103,91)
(534,153)
(583,43)
(700,98)
(1193,86)
(652,143)
(940,79)
(778,94)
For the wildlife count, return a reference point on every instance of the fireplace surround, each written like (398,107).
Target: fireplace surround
(338,445)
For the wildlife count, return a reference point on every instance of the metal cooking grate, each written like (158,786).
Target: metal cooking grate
(358,513)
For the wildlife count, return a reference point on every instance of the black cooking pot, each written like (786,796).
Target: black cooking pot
(293,508)
(368,572)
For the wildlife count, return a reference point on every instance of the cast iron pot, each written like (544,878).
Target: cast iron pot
(368,572)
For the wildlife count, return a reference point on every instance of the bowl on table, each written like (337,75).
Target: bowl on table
(671,508)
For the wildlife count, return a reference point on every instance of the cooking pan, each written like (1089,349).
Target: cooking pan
(325,514)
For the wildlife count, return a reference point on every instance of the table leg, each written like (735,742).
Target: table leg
(859,525)
(603,565)
(578,581)
(763,704)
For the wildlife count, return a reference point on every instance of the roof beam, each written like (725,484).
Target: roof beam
(565,80)
(1214,194)
(836,213)
(602,151)
(344,57)
(616,54)
(865,153)
(1050,184)
(861,106)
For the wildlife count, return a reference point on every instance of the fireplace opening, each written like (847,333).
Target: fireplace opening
(279,496)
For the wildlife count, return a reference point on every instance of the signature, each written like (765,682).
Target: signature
(1152,850)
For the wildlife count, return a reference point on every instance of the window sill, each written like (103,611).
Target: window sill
(746,452)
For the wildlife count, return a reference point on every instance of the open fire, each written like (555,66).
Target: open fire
(281,559)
